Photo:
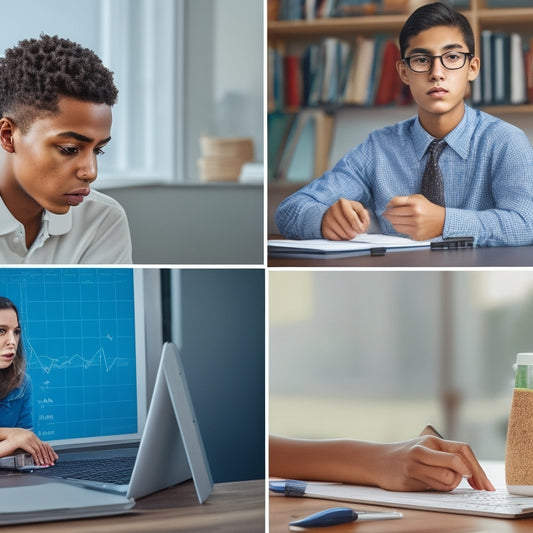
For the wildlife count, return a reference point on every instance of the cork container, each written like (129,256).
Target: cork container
(519,446)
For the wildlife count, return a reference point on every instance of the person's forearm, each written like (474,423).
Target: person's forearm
(345,461)
(490,227)
(298,217)
(4,433)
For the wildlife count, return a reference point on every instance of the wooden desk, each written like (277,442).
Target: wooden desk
(284,510)
(232,508)
(504,256)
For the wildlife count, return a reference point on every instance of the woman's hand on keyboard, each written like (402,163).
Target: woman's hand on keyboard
(428,463)
(12,439)
(423,463)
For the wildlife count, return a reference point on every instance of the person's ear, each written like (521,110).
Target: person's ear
(473,68)
(401,68)
(7,129)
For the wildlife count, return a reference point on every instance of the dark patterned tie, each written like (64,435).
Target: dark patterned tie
(432,183)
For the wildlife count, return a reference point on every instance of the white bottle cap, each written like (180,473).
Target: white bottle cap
(524,359)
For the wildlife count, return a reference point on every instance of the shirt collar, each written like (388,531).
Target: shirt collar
(458,139)
(57,224)
(8,223)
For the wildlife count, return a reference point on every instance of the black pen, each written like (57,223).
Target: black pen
(454,243)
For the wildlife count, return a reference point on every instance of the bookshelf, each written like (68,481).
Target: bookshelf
(478,14)
(480,17)
(285,36)
(281,31)
(284,33)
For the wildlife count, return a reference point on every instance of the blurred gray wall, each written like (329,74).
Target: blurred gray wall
(194,224)
(223,351)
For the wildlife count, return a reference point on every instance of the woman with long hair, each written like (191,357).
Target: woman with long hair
(15,392)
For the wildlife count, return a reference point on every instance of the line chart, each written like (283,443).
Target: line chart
(48,364)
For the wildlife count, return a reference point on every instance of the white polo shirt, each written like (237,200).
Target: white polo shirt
(94,232)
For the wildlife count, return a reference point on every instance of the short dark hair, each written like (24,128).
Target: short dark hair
(36,72)
(431,15)
(12,376)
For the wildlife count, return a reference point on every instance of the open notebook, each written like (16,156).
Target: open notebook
(364,244)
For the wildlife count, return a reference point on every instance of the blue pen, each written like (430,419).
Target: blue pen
(342,515)
(329,517)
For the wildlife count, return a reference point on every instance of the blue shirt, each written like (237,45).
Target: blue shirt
(16,409)
(488,179)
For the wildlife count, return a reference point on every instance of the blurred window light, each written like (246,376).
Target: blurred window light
(377,355)
(496,288)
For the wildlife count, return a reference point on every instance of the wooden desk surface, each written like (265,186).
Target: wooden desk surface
(503,256)
(284,510)
(232,507)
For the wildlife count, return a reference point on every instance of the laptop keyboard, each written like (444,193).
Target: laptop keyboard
(106,470)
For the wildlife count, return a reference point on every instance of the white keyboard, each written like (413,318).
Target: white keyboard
(498,503)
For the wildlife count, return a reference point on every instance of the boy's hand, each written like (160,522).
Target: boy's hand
(415,216)
(344,220)
(430,463)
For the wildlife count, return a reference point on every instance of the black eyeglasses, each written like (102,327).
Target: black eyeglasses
(450,61)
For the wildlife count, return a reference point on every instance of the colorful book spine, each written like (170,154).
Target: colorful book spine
(293,80)
(528,68)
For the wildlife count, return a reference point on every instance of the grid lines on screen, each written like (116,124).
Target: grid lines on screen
(78,329)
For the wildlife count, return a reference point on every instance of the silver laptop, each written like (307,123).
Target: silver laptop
(90,395)
(171,449)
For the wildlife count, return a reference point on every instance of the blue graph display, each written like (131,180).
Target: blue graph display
(78,329)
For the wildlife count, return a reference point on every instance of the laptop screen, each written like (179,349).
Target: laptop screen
(83,333)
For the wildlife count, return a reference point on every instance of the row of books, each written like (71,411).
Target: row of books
(315,9)
(506,75)
(335,71)
(363,72)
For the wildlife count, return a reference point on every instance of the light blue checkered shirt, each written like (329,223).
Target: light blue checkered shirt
(488,181)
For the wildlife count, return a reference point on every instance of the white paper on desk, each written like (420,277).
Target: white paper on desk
(362,242)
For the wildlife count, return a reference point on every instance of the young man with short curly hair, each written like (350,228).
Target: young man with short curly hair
(55,120)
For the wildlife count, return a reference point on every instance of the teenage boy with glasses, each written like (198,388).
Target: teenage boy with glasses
(480,179)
